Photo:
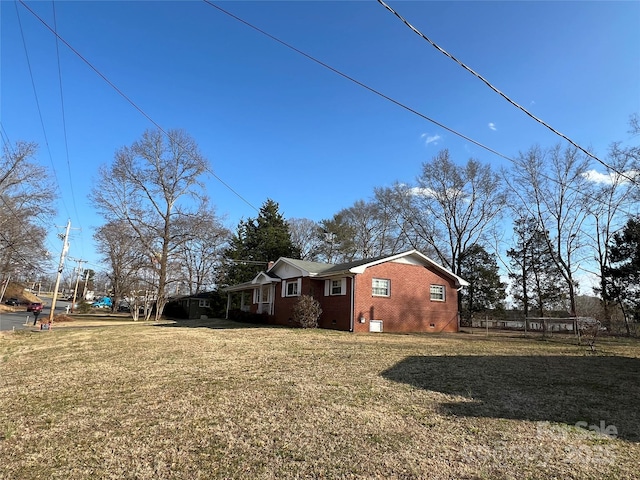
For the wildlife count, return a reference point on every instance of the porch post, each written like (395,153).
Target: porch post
(226,315)
(272,299)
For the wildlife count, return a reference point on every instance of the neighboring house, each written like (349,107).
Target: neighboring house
(196,306)
(405,292)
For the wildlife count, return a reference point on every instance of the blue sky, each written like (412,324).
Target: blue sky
(276,125)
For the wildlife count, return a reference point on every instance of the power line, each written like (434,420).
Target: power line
(64,121)
(338,72)
(357,82)
(400,104)
(123,95)
(503,95)
(35,94)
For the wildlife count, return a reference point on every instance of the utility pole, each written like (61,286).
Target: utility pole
(75,290)
(4,287)
(65,249)
(86,282)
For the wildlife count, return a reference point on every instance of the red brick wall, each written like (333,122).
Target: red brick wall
(336,309)
(408,308)
(283,307)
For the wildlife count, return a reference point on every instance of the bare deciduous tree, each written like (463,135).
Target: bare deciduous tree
(144,187)
(120,250)
(549,185)
(26,201)
(375,231)
(305,236)
(450,208)
(199,253)
(610,198)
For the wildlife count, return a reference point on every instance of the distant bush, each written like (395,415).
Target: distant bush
(83,307)
(307,311)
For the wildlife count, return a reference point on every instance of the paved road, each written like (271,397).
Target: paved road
(17,320)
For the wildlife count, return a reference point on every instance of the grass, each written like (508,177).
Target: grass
(217,400)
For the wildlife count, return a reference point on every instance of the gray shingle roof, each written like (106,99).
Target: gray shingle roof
(311,267)
(340,267)
(328,269)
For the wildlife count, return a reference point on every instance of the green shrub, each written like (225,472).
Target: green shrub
(307,311)
(83,307)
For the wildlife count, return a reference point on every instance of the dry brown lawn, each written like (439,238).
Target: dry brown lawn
(218,400)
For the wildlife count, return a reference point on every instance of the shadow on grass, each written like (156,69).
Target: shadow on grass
(561,389)
(213,323)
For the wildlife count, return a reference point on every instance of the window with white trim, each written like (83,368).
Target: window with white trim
(381,287)
(335,286)
(203,303)
(437,293)
(292,288)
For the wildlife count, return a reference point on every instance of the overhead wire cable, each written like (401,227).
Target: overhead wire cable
(323,64)
(123,95)
(35,94)
(502,94)
(64,121)
(390,99)
(357,82)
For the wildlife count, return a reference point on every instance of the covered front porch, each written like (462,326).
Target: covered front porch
(256,296)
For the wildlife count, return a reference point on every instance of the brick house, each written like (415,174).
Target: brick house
(404,292)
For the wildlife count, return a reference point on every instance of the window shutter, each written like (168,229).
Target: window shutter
(343,286)
(327,288)
(284,288)
(299,286)
(255,295)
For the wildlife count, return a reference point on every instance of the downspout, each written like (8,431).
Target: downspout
(226,315)
(353,293)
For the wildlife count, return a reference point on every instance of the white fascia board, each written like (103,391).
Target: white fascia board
(461,282)
(341,273)
(240,287)
(262,278)
(422,257)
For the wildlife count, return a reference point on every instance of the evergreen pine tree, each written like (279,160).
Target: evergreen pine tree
(624,272)
(485,290)
(536,282)
(258,241)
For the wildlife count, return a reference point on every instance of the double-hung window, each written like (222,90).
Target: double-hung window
(335,286)
(291,288)
(203,303)
(437,293)
(381,287)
